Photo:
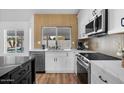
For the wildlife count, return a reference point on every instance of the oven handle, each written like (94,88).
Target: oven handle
(83,62)
(86,67)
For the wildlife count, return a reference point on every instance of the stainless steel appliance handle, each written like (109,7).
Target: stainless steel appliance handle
(83,62)
(94,26)
(77,55)
(86,67)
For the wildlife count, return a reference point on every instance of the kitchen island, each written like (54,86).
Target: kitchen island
(17,70)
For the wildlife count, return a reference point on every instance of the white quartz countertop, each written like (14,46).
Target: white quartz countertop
(112,67)
(38,50)
(64,50)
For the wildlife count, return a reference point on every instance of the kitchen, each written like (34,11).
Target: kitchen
(66,46)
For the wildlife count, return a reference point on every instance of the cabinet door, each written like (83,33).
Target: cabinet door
(102,76)
(55,62)
(69,62)
(75,62)
(65,62)
(83,18)
(50,66)
(61,63)
(26,80)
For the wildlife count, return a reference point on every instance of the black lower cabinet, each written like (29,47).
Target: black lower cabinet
(26,80)
(5,79)
(24,74)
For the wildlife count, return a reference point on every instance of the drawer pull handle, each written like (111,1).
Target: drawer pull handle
(100,77)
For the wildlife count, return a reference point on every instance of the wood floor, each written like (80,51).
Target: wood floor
(56,79)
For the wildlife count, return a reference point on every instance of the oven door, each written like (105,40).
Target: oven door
(82,72)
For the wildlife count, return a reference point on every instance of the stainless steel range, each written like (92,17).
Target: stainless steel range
(84,66)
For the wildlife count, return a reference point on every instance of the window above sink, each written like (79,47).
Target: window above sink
(56,37)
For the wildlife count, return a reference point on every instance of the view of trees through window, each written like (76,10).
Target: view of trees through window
(15,40)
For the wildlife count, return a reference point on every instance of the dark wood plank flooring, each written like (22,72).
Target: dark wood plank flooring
(56,78)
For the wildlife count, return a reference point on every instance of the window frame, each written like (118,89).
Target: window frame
(56,27)
(6,37)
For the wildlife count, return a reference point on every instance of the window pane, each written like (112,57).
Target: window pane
(20,41)
(15,41)
(20,33)
(11,33)
(64,37)
(11,41)
(49,37)
(56,37)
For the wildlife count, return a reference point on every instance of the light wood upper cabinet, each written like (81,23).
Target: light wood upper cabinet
(54,20)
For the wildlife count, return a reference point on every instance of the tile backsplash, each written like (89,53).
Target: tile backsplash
(108,44)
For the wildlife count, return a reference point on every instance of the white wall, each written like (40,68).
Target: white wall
(32,32)
(14,25)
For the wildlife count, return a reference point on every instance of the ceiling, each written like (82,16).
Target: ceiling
(25,14)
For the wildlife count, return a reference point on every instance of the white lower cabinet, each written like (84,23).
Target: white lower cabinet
(59,62)
(101,76)
(75,62)
(49,62)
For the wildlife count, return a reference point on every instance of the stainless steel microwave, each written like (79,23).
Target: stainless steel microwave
(90,28)
(99,25)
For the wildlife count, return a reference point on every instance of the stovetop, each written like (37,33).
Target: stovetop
(98,56)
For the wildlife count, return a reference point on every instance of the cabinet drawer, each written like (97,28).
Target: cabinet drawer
(20,71)
(101,76)
(95,79)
